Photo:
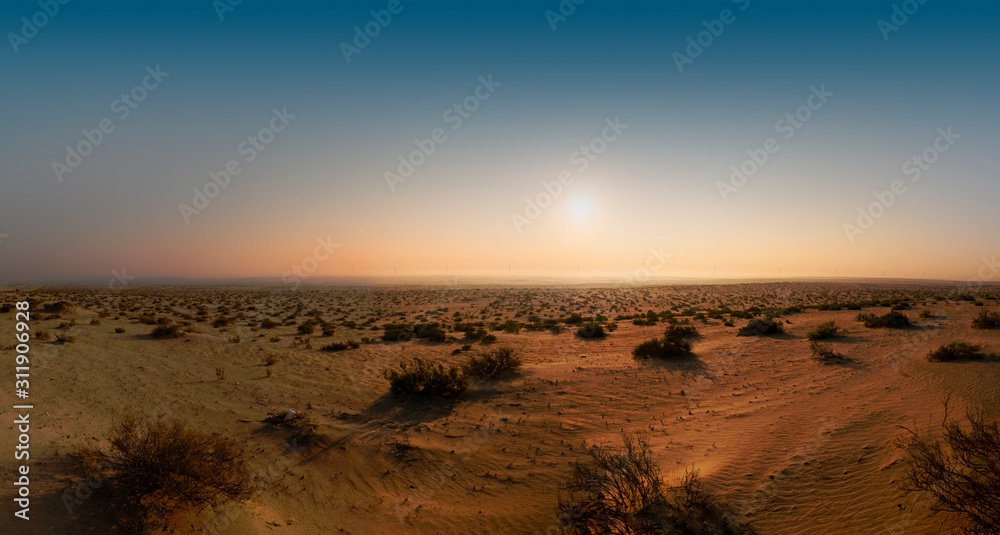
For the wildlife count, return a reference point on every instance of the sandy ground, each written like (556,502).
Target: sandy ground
(796,446)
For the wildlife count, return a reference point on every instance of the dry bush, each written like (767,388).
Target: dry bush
(958,472)
(591,329)
(422,378)
(956,351)
(986,320)
(893,319)
(823,353)
(166,330)
(622,492)
(154,468)
(826,330)
(761,327)
(493,364)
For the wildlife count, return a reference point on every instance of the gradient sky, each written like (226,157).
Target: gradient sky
(656,186)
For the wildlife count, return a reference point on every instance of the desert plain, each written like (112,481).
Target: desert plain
(792,444)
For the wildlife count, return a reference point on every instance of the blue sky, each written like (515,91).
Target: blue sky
(655,186)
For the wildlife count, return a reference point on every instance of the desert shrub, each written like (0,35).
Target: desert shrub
(119,330)
(95,321)
(328,329)
(958,472)
(591,329)
(761,327)
(489,339)
(430,331)
(268,323)
(307,327)
(42,335)
(824,331)
(893,319)
(153,468)
(220,374)
(986,320)
(397,332)
(466,347)
(493,364)
(167,331)
(956,351)
(823,353)
(925,314)
(270,360)
(573,318)
(673,344)
(62,338)
(422,378)
(621,491)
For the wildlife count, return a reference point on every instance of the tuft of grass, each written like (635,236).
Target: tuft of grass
(622,491)
(761,327)
(493,364)
(956,351)
(826,330)
(925,314)
(823,353)
(62,338)
(893,319)
(270,360)
(154,468)
(986,320)
(42,335)
(119,330)
(220,374)
(421,378)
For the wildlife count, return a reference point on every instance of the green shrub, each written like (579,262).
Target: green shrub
(421,378)
(824,331)
(956,351)
(986,320)
(152,469)
(893,319)
(493,364)
(761,327)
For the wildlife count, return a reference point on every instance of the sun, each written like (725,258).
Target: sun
(578,207)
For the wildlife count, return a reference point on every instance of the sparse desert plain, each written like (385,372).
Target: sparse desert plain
(790,442)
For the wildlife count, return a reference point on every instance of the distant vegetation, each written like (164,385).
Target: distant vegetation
(622,491)
(422,378)
(823,353)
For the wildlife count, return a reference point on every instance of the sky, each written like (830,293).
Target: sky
(495,137)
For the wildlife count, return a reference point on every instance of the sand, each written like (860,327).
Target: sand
(795,445)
